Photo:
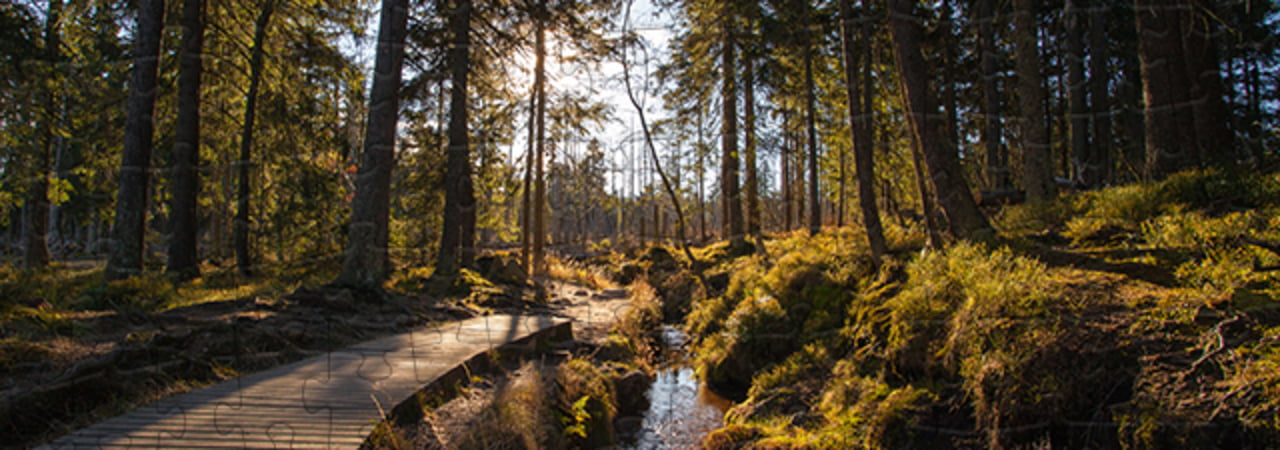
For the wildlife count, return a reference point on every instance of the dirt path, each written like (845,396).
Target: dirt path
(593,311)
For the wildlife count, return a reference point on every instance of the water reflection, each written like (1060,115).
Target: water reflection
(681,410)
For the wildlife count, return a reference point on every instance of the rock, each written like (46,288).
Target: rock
(614,293)
(580,293)
(631,388)
(628,426)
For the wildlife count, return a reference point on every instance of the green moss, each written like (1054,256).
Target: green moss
(866,412)
(731,437)
(133,294)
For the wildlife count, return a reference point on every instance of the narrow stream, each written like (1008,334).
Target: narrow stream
(681,410)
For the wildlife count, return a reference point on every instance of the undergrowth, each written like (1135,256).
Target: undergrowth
(1011,344)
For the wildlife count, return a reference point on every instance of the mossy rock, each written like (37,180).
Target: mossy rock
(740,247)
(731,437)
(779,402)
(678,290)
(502,269)
(628,273)
(660,259)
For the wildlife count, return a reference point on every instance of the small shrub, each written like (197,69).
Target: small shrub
(522,416)
(576,272)
(638,327)
(586,403)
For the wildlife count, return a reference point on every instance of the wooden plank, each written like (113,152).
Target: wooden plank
(327,401)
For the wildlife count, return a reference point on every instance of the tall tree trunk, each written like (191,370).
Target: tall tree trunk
(950,97)
(1214,140)
(1170,125)
(702,171)
(366,264)
(1085,165)
(1132,119)
(966,221)
(184,261)
(244,257)
(811,119)
(135,162)
(540,146)
(1099,97)
(785,162)
(36,231)
(997,168)
(1036,154)
(729,193)
(752,181)
(457,195)
(526,198)
(862,152)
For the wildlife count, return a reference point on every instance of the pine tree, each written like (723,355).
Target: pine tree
(184,262)
(457,238)
(257,56)
(366,263)
(131,202)
(966,221)
(1037,165)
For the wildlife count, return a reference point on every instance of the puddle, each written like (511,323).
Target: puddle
(681,410)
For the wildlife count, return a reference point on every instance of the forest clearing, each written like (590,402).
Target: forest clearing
(832,224)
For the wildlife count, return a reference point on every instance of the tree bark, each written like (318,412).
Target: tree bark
(184,261)
(366,264)
(863,154)
(244,257)
(1214,140)
(1085,165)
(1169,123)
(729,189)
(131,201)
(752,181)
(455,245)
(785,162)
(1037,163)
(36,251)
(540,146)
(811,114)
(966,221)
(1099,97)
(526,202)
(997,167)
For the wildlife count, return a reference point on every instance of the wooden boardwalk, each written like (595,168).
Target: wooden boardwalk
(328,401)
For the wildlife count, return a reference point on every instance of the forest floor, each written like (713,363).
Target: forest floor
(1140,316)
(69,362)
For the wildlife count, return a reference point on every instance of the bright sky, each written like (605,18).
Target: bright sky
(621,137)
